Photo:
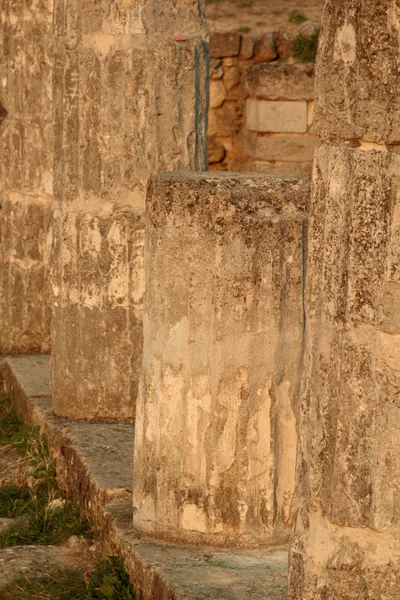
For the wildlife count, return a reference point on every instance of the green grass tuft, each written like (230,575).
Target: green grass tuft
(305,47)
(14,501)
(41,526)
(45,528)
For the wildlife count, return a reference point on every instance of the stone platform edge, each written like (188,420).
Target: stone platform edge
(159,570)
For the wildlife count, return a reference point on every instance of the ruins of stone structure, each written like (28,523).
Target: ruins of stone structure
(215,441)
(119,67)
(347,534)
(26,181)
(220,413)
(261,106)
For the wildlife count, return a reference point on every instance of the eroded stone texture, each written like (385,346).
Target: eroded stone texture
(347,534)
(215,439)
(26,172)
(348,529)
(130,99)
(358,76)
(275,81)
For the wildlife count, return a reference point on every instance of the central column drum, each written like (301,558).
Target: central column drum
(216,432)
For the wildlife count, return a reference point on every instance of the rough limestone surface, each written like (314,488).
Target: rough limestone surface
(215,440)
(277,81)
(26,165)
(357,91)
(130,100)
(346,540)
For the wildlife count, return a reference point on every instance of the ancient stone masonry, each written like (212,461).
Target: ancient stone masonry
(347,536)
(26,174)
(265,402)
(130,100)
(215,441)
(261,106)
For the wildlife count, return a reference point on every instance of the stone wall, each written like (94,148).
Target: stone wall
(26,179)
(261,106)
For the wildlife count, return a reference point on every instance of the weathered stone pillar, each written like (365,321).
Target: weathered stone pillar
(130,99)
(26,174)
(347,535)
(215,437)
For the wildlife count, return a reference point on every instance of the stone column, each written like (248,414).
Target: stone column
(346,541)
(215,437)
(130,99)
(26,174)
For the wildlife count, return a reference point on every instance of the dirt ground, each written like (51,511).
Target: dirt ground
(258,16)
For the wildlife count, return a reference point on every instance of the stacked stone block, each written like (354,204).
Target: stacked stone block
(261,109)
(215,436)
(130,100)
(347,535)
(26,175)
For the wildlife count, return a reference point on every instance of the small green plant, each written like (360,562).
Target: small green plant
(109,582)
(305,47)
(40,524)
(243,29)
(296,16)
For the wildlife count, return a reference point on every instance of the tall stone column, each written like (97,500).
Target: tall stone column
(26,174)
(130,100)
(215,436)
(346,541)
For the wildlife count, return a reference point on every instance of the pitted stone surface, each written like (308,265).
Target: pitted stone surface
(33,374)
(350,413)
(346,541)
(206,573)
(130,99)
(358,74)
(216,437)
(26,186)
